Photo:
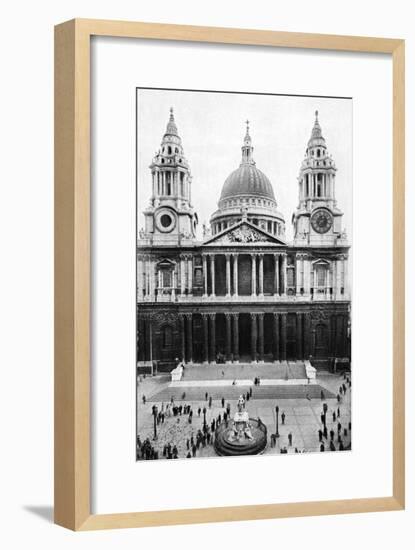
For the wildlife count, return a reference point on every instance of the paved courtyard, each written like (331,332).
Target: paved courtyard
(302,406)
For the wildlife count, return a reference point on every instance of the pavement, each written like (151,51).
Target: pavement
(302,415)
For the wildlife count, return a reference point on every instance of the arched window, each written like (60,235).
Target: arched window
(169,150)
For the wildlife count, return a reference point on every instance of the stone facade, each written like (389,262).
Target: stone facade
(244,291)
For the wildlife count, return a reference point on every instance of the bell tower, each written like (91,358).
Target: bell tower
(317,220)
(170,218)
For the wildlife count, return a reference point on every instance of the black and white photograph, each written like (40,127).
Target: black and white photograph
(244,263)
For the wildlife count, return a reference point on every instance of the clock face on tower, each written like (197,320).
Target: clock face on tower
(321,221)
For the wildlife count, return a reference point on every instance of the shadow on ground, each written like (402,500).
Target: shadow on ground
(43,512)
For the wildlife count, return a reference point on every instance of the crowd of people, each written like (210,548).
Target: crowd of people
(337,438)
(203,437)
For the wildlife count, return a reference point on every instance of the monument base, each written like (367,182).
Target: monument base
(228,444)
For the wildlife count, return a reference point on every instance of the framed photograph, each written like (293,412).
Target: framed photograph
(229,274)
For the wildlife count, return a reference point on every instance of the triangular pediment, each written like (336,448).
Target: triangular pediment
(244,233)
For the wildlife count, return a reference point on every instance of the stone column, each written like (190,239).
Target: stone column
(189,337)
(228,275)
(205,276)
(307,334)
(212,318)
(284,274)
(338,278)
(235,317)
(298,265)
(235,275)
(212,274)
(183,336)
(276,274)
(205,337)
(190,274)
(140,277)
(254,337)
(345,277)
(261,336)
(307,276)
(276,335)
(228,336)
(283,337)
(151,278)
(253,275)
(173,285)
(182,275)
(328,278)
(261,274)
(299,336)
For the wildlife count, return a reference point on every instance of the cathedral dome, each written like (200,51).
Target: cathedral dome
(247,180)
(248,193)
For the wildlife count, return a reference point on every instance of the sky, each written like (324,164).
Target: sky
(212,127)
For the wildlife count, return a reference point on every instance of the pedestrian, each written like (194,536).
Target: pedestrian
(320,435)
(344,388)
(290,439)
(339,427)
(250,391)
(325,432)
(345,432)
(338,412)
(331,435)
(228,409)
(340,390)
(338,398)
(350,426)
(322,448)
(322,418)
(332,446)
(184,395)
(144,399)
(223,374)
(322,395)
(210,402)
(206,396)
(194,451)
(283,418)
(199,410)
(223,402)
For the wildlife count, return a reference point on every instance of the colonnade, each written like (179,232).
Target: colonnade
(232,336)
(306,280)
(232,273)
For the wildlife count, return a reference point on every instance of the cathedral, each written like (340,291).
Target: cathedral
(244,293)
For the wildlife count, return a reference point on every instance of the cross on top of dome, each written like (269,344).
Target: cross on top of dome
(247,140)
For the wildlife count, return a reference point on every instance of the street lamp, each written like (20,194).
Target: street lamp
(325,408)
(155,411)
(204,418)
(277,410)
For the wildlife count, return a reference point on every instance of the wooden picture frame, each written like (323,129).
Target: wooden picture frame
(72,272)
